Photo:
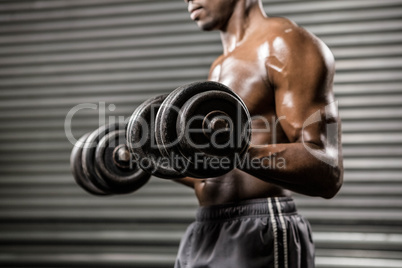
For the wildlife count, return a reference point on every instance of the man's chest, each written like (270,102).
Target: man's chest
(247,76)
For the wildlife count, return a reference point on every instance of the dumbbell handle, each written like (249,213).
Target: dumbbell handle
(215,121)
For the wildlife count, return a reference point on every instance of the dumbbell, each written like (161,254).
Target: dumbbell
(101,162)
(141,140)
(200,130)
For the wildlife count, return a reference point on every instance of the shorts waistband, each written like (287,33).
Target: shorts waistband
(252,207)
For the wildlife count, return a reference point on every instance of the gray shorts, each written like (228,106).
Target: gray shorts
(250,234)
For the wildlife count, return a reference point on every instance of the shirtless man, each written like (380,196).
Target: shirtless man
(284,74)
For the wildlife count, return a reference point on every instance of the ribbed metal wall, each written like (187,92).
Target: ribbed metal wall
(57,54)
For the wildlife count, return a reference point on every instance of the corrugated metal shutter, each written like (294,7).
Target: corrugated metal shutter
(57,54)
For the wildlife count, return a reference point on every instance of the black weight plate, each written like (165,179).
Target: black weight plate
(141,140)
(88,155)
(209,155)
(121,175)
(165,123)
(167,116)
(76,168)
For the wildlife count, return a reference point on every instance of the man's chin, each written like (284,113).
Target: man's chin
(205,26)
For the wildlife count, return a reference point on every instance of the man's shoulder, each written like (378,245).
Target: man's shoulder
(286,29)
(294,37)
(280,24)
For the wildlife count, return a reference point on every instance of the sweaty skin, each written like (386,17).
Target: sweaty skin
(284,74)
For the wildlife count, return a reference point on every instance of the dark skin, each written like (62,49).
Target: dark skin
(284,74)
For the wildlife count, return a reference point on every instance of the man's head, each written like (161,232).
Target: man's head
(211,14)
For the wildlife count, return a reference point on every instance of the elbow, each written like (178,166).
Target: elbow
(333,183)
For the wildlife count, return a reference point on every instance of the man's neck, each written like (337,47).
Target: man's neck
(246,17)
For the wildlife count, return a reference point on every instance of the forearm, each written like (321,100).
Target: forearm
(293,167)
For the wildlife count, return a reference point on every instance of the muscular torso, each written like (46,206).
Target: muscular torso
(244,71)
